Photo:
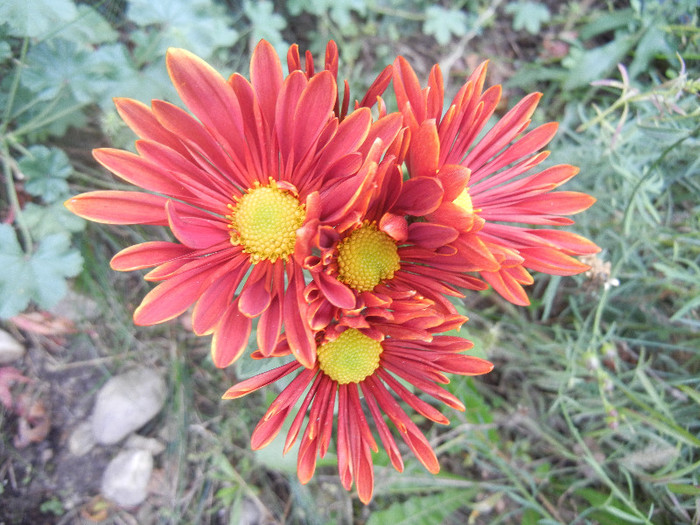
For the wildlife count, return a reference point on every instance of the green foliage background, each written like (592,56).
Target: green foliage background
(593,412)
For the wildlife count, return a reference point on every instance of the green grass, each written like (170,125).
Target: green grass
(592,414)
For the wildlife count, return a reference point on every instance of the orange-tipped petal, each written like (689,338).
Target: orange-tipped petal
(119,207)
(147,255)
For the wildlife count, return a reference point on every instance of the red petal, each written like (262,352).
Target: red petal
(205,92)
(255,296)
(419,196)
(266,77)
(313,111)
(119,207)
(195,232)
(257,382)
(394,226)
(147,255)
(431,236)
(140,118)
(424,154)
(172,297)
(508,287)
(454,179)
(140,172)
(336,292)
(230,336)
(213,303)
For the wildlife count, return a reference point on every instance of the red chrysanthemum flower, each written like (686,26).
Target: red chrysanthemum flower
(260,165)
(384,355)
(387,254)
(484,180)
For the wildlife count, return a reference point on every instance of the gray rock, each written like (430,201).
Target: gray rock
(10,349)
(125,403)
(125,480)
(152,445)
(81,440)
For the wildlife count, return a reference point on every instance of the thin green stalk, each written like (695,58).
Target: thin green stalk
(13,89)
(12,195)
(597,467)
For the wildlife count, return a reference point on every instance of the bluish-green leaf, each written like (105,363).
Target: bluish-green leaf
(43,221)
(39,277)
(88,28)
(57,65)
(443,23)
(46,171)
(265,23)
(528,15)
(200,26)
(35,18)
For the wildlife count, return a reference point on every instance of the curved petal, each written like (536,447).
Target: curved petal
(230,336)
(147,255)
(119,207)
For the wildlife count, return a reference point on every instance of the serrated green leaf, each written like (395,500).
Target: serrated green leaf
(422,511)
(39,277)
(528,15)
(266,23)
(200,26)
(35,18)
(442,23)
(46,171)
(43,221)
(56,65)
(88,28)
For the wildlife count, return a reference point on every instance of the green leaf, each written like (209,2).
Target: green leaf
(43,221)
(652,43)
(88,28)
(422,511)
(529,16)
(39,277)
(442,23)
(35,18)
(46,170)
(595,64)
(200,26)
(57,65)
(266,23)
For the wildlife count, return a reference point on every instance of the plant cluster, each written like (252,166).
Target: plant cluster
(590,414)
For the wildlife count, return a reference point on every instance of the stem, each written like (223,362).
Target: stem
(13,89)
(12,195)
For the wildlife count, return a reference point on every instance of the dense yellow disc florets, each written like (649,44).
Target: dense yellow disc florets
(265,221)
(366,257)
(464,201)
(350,358)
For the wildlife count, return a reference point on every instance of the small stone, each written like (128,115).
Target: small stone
(81,440)
(125,479)
(125,403)
(10,349)
(152,445)
(77,307)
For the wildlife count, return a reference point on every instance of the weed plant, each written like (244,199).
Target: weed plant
(592,414)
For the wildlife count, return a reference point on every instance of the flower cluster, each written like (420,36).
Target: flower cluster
(346,233)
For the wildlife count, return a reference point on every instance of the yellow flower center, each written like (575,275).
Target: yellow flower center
(464,201)
(366,257)
(350,358)
(265,221)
